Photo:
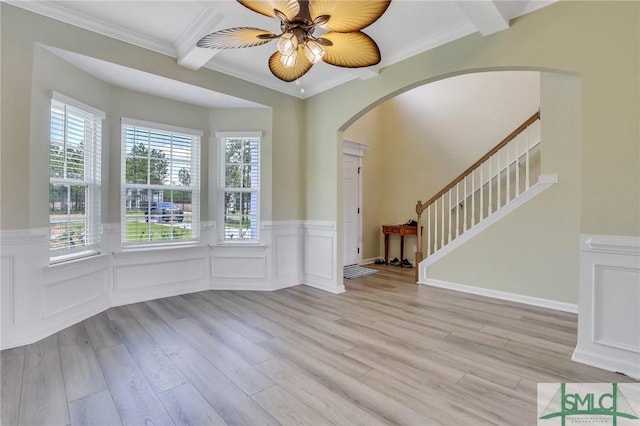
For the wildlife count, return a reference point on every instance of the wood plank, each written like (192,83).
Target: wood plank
(100,332)
(286,326)
(11,368)
(165,308)
(243,374)
(158,329)
(187,407)
(82,374)
(150,358)
(43,398)
(436,407)
(132,394)
(287,409)
(409,367)
(333,406)
(95,410)
(249,351)
(229,401)
(206,302)
(353,390)
(291,347)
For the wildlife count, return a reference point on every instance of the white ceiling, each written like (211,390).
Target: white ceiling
(407,28)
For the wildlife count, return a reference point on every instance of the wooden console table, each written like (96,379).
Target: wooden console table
(401,230)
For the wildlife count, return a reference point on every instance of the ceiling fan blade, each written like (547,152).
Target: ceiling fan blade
(235,38)
(348,16)
(289,74)
(266,7)
(351,50)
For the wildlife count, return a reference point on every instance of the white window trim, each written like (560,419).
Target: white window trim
(127,121)
(57,96)
(92,250)
(220,137)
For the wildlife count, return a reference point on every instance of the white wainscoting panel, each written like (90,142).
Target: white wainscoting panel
(240,267)
(158,273)
(320,256)
(251,267)
(140,275)
(288,257)
(616,296)
(70,285)
(8,289)
(609,320)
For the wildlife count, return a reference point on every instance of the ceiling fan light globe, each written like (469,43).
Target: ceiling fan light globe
(313,51)
(289,61)
(287,44)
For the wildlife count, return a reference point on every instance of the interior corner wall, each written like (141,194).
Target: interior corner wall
(533,250)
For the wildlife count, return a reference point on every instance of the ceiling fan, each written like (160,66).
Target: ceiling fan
(343,44)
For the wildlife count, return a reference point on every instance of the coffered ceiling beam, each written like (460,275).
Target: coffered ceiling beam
(364,73)
(485,15)
(187,54)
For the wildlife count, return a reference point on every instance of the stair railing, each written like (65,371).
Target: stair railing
(479,191)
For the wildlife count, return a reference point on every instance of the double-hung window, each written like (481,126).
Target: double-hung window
(75,137)
(240,167)
(160,183)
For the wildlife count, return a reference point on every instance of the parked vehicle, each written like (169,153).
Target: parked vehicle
(164,212)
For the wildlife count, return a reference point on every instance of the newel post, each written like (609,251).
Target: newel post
(419,210)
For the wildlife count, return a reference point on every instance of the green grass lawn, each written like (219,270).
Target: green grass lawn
(142,231)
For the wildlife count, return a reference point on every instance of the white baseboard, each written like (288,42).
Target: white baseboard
(323,286)
(606,363)
(503,295)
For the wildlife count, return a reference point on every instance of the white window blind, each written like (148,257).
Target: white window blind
(240,186)
(160,183)
(74,177)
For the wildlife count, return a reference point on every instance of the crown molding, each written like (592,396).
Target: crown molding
(54,10)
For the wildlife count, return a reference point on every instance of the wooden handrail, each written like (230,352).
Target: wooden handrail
(484,158)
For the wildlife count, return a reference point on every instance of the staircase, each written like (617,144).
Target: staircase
(500,181)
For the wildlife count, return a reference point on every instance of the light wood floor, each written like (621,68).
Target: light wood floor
(385,352)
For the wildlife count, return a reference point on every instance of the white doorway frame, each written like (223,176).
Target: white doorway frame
(356,149)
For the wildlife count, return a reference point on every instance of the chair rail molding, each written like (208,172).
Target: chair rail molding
(609,320)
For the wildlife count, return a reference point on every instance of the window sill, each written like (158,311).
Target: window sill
(158,247)
(223,243)
(70,258)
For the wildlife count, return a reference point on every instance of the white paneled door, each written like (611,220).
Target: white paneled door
(351,204)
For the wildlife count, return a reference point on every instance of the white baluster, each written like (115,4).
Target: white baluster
(481,193)
(499,185)
(473,197)
(429,230)
(526,154)
(466,205)
(508,175)
(490,209)
(449,240)
(457,209)
(517,168)
(435,226)
(442,221)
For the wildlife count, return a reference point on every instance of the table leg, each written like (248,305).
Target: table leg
(401,250)
(386,249)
